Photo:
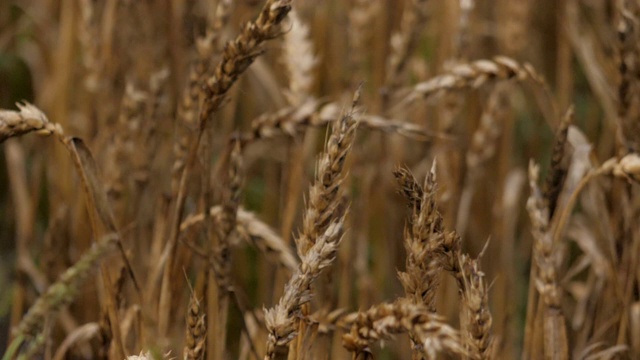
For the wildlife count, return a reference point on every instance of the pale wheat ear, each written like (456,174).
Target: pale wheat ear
(292,121)
(321,234)
(473,76)
(405,40)
(300,60)
(27,119)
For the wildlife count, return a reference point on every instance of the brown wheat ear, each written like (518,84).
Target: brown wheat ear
(196,331)
(423,236)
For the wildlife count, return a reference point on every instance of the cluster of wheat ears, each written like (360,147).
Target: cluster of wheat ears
(305,179)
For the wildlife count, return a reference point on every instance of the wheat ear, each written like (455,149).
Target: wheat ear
(27,119)
(473,75)
(321,233)
(196,331)
(252,230)
(237,56)
(423,236)
(58,295)
(382,321)
(546,279)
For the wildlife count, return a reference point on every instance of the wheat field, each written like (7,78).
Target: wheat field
(319,179)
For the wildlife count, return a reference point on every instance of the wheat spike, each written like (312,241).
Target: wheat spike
(382,321)
(27,119)
(321,233)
